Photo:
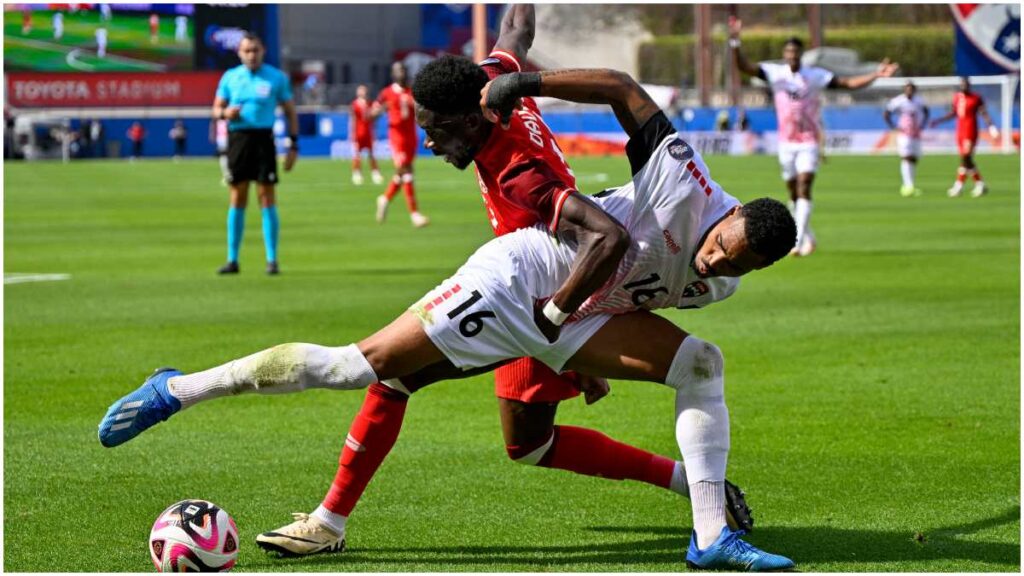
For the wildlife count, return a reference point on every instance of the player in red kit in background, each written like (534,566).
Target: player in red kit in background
(524,181)
(966,107)
(154,28)
(361,133)
(397,99)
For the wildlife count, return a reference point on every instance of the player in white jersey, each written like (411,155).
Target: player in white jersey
(669,238)
(58,25)
(796,90)
(911,117)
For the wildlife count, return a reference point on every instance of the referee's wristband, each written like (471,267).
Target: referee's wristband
(554,314)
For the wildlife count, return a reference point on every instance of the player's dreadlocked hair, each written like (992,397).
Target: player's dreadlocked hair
(449,85)
(769,227)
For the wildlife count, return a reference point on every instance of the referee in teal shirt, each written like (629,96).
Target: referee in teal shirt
(247,97)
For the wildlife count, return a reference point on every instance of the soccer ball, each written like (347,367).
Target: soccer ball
(193,536)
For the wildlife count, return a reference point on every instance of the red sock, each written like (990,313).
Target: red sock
(370,439)
(410,196)
(592,453)
(373,163)
(977,175)
(391,191)
(961,175)
(356,163)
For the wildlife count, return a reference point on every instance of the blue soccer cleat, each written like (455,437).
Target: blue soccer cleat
(732,554)
(151,404)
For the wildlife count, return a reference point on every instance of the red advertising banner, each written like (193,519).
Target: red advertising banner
(38,89)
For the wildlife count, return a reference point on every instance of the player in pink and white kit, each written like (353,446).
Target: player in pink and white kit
(796,90)
(911,117)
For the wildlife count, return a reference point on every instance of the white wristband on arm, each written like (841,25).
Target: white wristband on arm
(552,313)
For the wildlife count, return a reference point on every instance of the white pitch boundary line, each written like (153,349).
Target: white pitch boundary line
(72,61)
(145,65)
(21,278)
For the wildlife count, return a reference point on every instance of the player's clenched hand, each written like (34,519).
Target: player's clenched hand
(593,387)
(735,25)
(289,160)
(232,113)
(499,98)
(547,327)
(887,69)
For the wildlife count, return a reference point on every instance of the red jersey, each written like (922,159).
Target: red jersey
(966,105)
(362,126)
(401,109)
(522,173)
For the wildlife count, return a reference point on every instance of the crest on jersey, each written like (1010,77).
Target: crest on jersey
(994,29)
(680,150)
(695,289)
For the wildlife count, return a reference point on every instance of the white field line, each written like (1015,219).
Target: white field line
(21,278)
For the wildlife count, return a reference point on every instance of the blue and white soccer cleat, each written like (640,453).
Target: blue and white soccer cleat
(732,554)
(151,404)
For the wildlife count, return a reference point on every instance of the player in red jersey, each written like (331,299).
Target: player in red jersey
(966,107)
(524,181)
(397,99)
(361,133)
(154,28)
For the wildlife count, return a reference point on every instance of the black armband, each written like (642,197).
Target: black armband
(507,89)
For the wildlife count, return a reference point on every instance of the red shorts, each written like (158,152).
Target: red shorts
(530,381)
(966,140)
(403,147)
(363,141)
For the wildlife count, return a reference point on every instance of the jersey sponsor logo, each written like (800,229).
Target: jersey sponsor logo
(994,29)
(680,150)
(695,289)
(670,242)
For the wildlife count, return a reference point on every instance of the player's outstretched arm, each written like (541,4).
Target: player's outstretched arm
(517,30)
(602,242)
(885,70)
(744,65)
(942,119)
(630,102)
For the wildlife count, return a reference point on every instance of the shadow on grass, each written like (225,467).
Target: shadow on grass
(667,545)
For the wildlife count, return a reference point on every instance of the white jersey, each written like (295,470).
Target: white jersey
(484,314)
(910,114)
(797,97)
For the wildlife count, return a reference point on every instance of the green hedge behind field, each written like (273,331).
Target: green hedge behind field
(921,51)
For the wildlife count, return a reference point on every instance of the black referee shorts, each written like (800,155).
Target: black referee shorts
(252,156)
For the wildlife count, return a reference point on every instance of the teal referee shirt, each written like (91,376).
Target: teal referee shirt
(257,94)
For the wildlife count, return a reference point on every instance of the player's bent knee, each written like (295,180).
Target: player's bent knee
(530,455)
(697,369)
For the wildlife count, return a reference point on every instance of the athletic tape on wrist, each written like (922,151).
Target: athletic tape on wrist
(554,314)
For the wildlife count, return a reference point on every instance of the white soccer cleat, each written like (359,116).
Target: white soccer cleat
(357,178)
(979,190)
(376,177)
(807,247)
(955,191)
(419,220)
(306,535)
(382,208)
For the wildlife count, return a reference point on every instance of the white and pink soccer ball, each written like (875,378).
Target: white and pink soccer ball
(193,536)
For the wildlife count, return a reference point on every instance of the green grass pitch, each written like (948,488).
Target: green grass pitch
(874,387)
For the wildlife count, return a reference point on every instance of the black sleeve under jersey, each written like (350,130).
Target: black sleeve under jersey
(643,144)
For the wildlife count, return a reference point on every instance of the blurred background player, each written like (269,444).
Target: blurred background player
(247,96)
(796,91)
(58,25)
(397,99)
(966,107)
(26,21)
(179,135)
(219,136)
(911,117)
(361,133)
(101,42)
(154,28)
(105,12)
(137,134)
(181,29)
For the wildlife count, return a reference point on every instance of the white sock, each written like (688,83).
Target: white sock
(278,370)
(678,483)
(334,521)
(802,215)
(702,430)
(708,502)
(907,171)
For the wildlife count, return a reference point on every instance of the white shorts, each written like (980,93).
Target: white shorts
(484,313)
(798,158)
(908,147)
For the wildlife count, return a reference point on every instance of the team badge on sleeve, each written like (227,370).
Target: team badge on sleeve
(680,150)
